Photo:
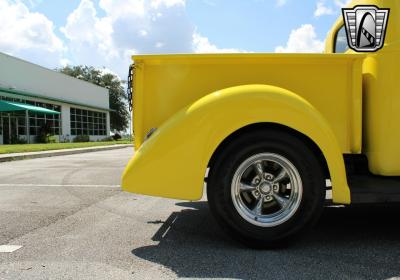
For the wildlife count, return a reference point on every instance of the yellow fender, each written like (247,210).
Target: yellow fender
(173,161)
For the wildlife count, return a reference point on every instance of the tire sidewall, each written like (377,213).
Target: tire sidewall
(286,146)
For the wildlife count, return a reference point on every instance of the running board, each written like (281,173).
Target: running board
(368,188)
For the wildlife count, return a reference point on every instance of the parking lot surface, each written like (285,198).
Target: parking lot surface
(73,222)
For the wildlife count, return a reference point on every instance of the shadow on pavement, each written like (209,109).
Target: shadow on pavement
(349,242)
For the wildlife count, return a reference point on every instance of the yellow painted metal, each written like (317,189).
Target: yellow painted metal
(172,163)
(164,84)
(382,101)
(330,39)
(381,98)
(196,101)
(321,99)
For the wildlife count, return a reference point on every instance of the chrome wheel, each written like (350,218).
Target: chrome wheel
(266,189)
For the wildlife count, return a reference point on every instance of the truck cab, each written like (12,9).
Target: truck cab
(263,133)
(381,101)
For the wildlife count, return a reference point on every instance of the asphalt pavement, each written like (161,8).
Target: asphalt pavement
(73,222)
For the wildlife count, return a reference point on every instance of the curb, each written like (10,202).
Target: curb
(54,153)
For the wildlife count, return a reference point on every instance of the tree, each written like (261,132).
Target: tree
(119,117)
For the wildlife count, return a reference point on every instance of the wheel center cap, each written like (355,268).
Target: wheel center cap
(265,188)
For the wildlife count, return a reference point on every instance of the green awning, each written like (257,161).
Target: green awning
(30,94)
(8,106)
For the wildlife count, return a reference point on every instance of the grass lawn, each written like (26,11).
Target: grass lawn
(22,148)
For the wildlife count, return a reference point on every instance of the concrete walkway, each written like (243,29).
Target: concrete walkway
(42,154)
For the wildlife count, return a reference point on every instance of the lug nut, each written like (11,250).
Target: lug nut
(257,193)
(276,188)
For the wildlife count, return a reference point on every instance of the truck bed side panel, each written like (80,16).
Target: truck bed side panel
(331,83)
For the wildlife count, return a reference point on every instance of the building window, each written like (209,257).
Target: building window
(85,122)
(36,121)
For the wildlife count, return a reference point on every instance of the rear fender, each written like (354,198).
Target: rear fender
(173,162)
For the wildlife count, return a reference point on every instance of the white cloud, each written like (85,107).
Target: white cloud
(129,27)
(82,22)
(32,3)
(106,70)
(210,3)
(64,62)
(89,34)
(342,3)
(202,44)
(302,40)
(281,3)
(322,9)
(168,3)
(143,32)
(159,45)
(26,34)
(164,21)
(126,27)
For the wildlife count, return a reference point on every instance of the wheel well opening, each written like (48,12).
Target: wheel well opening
(268,127)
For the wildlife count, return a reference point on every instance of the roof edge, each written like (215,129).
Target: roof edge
(53,71)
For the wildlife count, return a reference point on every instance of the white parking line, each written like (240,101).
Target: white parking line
(9,248)
(59,186)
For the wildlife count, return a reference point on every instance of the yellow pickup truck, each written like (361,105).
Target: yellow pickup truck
(264,134)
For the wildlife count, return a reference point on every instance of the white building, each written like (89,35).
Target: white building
(81,108)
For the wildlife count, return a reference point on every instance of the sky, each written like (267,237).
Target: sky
(106,33)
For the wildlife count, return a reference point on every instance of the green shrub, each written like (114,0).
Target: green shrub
(65,140)
(81,138)
(107,139)
(51,139)
(116,136)
(129,138)
(18,140)
(44,133)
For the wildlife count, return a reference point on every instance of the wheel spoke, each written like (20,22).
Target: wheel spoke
(282,201)
(258,208)
(246,187)
(259,169)
(266,189)
(281,176)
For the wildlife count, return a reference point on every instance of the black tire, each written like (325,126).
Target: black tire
(228,160)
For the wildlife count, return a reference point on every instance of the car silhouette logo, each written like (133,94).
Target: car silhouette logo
(366,27)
